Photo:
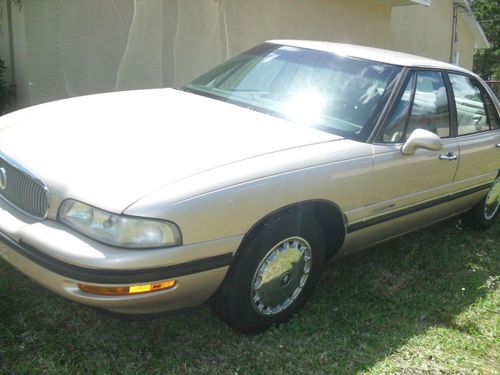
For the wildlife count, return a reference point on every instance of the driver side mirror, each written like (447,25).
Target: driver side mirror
(421,138)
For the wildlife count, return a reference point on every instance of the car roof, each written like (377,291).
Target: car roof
(371,53)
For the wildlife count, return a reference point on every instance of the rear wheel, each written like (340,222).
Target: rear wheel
(273,274)
(485,213)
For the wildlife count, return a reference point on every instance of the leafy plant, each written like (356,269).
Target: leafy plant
(7,91)
(487,61)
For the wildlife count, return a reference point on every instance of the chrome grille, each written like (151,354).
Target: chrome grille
(23,191)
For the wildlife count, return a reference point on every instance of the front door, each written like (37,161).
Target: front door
(402,183)
(402,180)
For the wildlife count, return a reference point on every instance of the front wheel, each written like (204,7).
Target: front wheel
(485,213)
(273,274)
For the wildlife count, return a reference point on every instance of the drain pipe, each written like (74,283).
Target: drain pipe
(454,36)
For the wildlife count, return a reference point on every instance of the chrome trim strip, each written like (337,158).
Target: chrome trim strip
(3,178)
(412,209)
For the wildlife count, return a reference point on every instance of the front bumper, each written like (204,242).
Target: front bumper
(59,259)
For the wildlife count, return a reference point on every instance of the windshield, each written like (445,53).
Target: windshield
(337,94)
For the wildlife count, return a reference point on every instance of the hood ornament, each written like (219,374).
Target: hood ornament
(3,179)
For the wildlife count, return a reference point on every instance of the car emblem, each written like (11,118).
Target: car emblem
(3,178)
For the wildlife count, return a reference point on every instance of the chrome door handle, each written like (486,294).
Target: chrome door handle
(448,156)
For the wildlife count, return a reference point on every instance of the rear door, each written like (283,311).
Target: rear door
(478,131)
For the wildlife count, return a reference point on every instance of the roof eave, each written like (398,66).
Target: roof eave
(480,39)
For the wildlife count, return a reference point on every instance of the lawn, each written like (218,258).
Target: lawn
(426,303)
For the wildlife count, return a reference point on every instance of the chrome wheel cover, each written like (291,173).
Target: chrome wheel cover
(281,276)
(492,203)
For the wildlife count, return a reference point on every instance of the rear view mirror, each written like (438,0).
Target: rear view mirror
(421,138)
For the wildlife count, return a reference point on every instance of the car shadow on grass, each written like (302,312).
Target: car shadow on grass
(365,308)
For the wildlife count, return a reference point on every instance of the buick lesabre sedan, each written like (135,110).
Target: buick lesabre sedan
(238,188)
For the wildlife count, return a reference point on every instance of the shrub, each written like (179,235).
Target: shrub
(7,91)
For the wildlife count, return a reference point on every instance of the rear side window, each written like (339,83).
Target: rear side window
(423,105)
(471,108)
(491,110)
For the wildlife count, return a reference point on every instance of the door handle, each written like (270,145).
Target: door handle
(448,156)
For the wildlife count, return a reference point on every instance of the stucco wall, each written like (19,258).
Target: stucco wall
(426,31)
(76,47)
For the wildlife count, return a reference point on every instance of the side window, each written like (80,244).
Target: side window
(471,109)
(430,106)
(491,110)
(427,108)
(394,130)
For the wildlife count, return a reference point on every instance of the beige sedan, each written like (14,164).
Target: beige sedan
(237,188)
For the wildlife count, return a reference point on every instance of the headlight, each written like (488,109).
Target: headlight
(118,230)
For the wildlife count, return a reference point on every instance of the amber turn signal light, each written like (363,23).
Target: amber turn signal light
(127,290)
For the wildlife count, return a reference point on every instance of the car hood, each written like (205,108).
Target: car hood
(111,149)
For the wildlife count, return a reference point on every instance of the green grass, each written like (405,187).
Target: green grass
(426,303)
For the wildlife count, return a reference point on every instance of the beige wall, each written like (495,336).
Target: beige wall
(74,47)
(21,60)
(65,48)
(427,31)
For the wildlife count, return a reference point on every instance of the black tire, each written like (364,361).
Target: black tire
(478,217)
(233,302)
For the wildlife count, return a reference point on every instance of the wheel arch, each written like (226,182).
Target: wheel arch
(328,214)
